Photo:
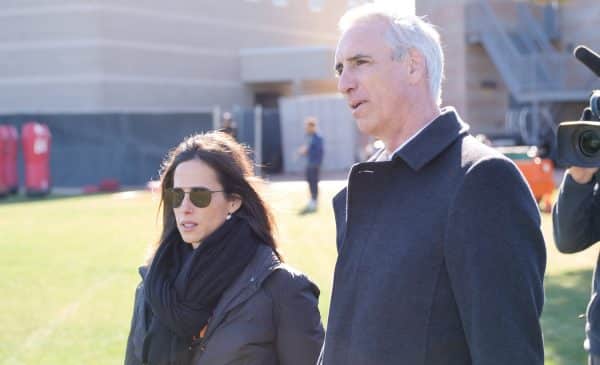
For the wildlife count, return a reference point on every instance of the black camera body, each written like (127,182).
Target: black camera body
(579,142)
(595,103)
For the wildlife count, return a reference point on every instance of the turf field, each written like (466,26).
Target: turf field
(68,272)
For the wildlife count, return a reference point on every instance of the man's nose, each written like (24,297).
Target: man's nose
(346,82)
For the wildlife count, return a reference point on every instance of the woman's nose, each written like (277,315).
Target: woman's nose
(186,203)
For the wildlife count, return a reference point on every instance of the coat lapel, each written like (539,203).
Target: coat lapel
(433,140)
(263,264)
(422,149)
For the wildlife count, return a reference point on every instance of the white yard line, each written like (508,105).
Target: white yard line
(38,337)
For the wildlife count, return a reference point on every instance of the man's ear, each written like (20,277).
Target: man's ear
(417,66)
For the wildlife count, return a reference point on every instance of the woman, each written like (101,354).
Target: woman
(215,290)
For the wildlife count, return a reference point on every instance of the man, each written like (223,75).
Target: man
(576,218)
(440,254)
(313,151)
(228,125)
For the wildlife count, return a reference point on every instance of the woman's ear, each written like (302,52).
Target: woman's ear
(235,202)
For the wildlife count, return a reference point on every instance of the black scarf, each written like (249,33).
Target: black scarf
(183,288)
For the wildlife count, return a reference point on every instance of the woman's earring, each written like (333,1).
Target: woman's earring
(228,216)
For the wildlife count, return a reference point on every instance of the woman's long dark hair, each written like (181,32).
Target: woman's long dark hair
(234,171)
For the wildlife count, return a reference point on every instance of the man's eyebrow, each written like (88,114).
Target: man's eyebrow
(357,57)
(339,65)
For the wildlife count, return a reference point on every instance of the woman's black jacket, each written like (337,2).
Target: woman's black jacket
(269,316)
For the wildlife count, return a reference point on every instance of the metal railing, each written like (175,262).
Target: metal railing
(529,64)
(497,42)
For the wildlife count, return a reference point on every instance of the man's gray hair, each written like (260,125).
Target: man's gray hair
(406,31)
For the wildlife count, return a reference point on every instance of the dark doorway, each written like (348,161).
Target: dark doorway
(268,100)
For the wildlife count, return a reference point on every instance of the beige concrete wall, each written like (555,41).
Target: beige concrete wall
(486,93)
(152,55)
(472,82)
(286,64)
(46,57)
(579,24)
(448,17)
(145,55)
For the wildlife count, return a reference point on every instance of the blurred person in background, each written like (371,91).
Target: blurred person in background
(441,258)
(228,125)
(313,151)
(215,289)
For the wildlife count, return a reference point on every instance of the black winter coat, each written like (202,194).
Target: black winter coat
(440,258)
(576,217)
(269,316)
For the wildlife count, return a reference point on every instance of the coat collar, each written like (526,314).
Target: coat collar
(260,267)
(432,140)
(262,264)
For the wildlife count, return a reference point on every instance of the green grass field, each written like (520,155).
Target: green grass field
(69,269)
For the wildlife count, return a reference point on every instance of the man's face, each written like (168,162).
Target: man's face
(309,127)
(374,84)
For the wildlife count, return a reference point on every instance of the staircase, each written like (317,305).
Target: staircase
(531,67)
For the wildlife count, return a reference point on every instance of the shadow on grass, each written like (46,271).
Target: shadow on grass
(567,295)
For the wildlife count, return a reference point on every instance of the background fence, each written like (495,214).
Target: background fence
(128,147)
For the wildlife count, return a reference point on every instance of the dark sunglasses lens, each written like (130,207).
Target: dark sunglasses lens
(176,197)
(200,197)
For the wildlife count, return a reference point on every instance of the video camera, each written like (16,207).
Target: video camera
(579,142)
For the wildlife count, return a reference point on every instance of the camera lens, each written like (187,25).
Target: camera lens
(589,143)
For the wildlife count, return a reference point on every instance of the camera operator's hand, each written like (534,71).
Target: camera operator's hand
(582,175)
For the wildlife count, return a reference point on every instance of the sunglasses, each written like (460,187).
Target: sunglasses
(199,196)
